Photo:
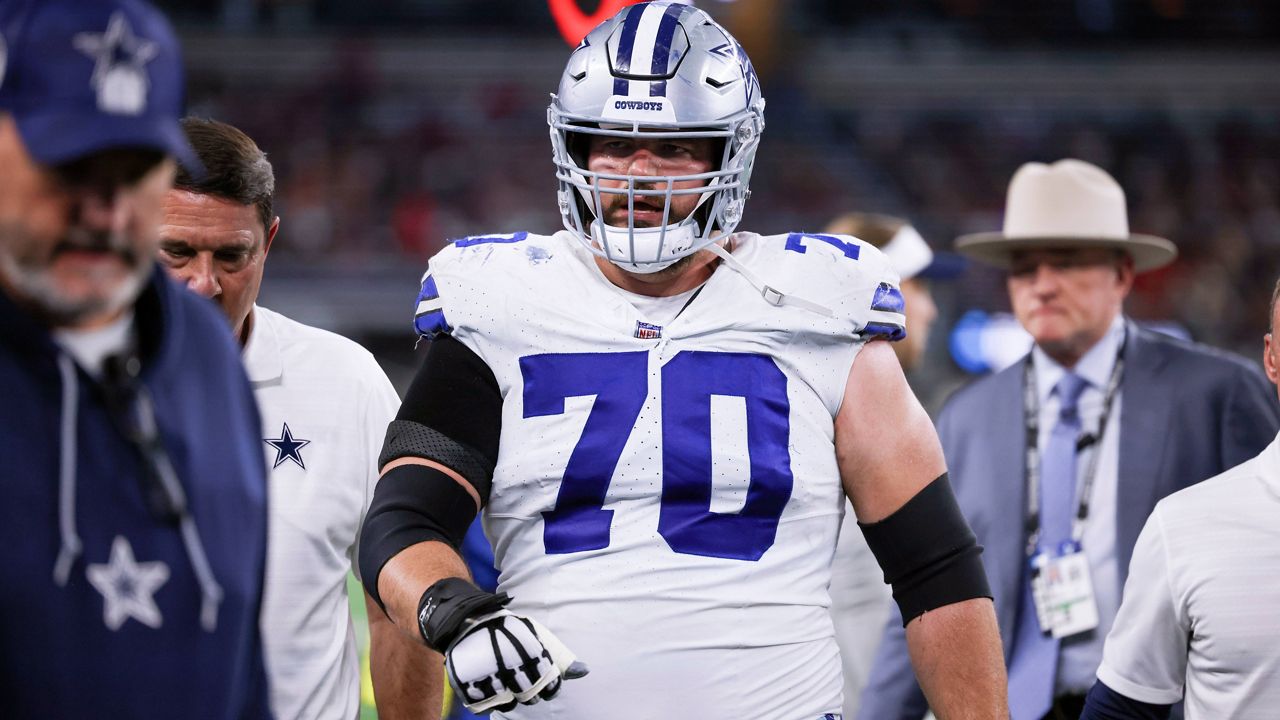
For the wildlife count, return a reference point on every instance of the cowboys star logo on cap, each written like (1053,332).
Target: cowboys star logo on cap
(119,72)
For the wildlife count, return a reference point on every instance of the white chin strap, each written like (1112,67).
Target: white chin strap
(675,242)
(771,294)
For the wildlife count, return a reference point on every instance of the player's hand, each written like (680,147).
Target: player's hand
(504,659)
(495,659)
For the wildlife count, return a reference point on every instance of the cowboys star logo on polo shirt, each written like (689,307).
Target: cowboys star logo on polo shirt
(287,447)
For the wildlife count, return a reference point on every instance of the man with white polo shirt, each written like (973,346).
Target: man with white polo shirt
(325,404)
(1198,623)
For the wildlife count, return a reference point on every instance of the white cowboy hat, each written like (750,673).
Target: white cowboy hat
(1067,204)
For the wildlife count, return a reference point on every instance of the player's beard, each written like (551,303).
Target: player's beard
(617,215)
(675,269)
(30,276)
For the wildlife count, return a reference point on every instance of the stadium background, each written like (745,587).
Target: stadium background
(395,125)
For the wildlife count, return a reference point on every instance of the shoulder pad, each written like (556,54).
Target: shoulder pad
(465,269)
(847,275)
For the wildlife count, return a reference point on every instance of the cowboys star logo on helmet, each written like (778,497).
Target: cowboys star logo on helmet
(664,70)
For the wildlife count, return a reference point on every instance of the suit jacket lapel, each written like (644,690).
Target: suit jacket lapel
(1008,465)
(1144,419)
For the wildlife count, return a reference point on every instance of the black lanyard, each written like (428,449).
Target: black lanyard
(129,405)
(1031,412)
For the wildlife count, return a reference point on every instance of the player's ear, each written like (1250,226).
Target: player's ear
(271,235)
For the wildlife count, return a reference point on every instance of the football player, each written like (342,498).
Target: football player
(660,418)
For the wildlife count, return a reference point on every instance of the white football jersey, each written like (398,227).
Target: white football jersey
(325,406)
(666,498)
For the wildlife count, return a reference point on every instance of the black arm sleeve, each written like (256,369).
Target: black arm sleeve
(452,414)
(928,553)
(411,504)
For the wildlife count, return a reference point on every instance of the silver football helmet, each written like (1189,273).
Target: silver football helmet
(656,70)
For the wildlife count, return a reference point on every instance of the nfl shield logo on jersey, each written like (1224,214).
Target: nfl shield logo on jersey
(647,331)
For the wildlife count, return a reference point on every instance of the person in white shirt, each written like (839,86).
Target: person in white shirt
(1198,622)
(325,404)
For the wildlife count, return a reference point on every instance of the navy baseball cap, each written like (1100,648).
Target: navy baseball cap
(83,76)
(945,266)
(912,257)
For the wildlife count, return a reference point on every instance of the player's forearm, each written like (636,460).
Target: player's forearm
(407,575)
(958,659)
(408,677)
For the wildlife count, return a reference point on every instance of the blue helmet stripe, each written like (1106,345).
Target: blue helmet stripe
(662,49)
(626,45)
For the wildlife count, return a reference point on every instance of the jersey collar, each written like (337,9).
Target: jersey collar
(261,353)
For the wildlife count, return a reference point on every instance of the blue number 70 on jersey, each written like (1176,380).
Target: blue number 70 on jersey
(619,381)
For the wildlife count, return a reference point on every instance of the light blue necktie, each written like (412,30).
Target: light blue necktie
(1034,662)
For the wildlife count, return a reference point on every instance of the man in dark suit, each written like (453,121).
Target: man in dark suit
(1059,459)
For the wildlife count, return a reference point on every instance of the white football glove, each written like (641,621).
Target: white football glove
(502,659)
(495,659)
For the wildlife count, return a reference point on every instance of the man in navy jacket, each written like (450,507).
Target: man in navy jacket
(132,488)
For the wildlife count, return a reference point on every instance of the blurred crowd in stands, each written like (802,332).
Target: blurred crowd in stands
(996,21)
(373,174)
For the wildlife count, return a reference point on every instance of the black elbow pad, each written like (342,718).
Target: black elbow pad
(452,414)
(411,504)
(928,553)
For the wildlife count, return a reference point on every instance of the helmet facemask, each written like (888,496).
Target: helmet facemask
(709,91)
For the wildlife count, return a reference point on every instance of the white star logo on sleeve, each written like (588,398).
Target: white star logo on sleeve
(128,586)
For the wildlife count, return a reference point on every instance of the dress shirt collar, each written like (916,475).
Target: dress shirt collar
(1095,366)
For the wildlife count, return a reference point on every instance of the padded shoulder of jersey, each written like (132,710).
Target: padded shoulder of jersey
(848,276)
(467,270)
